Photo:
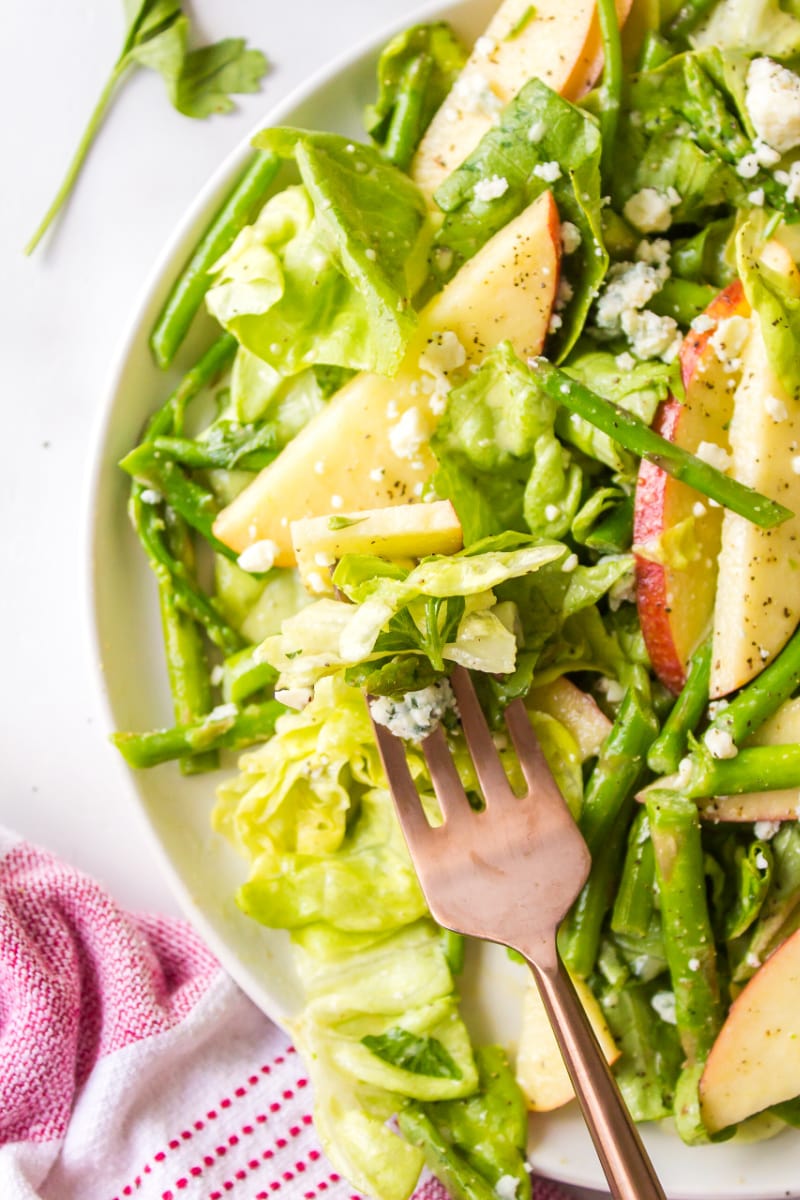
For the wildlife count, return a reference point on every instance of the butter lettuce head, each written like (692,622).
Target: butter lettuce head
(327,271)
(399,989)
(310,812)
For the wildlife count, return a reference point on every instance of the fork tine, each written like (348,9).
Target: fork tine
(444,776)
(529,752)
(488,767)
(404,791)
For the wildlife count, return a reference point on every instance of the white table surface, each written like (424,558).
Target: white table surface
(64,312)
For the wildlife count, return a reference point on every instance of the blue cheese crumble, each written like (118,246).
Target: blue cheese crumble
(418,714)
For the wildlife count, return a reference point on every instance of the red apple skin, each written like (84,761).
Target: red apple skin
(676,602)
(730,302)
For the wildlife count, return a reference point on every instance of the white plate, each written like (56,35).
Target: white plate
(202,869)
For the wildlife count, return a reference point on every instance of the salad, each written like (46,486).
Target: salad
(511,382)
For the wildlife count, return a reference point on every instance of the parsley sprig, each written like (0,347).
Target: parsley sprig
(199,82)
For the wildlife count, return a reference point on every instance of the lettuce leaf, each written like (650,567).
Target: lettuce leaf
(327,271)
(686,127)
(754,26)
(415,73)
(310,812)
(775,297)
(500,462)
(400,983)
(566,140)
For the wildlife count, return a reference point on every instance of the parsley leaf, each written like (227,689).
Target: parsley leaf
(198,82)
(421,1055)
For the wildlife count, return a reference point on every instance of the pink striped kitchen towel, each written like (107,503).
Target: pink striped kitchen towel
(132,1065)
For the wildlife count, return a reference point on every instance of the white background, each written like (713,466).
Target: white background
(64,312)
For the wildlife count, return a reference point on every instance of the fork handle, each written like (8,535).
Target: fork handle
(626,1163)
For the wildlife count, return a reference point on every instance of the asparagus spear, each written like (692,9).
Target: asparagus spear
(668,749)
(581,934)
(171,556)
(187,664)
(461,1180)
(218,730)
(173,573)
(406,126)
(689,15)
(686,924)
(610,91)
(196,504)
(190,287)
(247,448)
(618,767)
(632,434)
(763,695)
(754,769)
(634,904)
(604,820)
(244,674)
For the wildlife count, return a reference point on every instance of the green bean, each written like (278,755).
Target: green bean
(217,730)
(188,291)
(668,749)
(404,129)
(632,434)
(686,924)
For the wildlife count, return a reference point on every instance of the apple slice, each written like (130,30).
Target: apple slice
(369,447)
(574,708)
(782,804)
(541,1073)
(557,41)
(676,532)
(758,603)
(399,531)
(755,1060)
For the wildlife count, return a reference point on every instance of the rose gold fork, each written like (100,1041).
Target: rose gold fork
(509,874)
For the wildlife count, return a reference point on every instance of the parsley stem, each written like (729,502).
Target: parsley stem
(79,157)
